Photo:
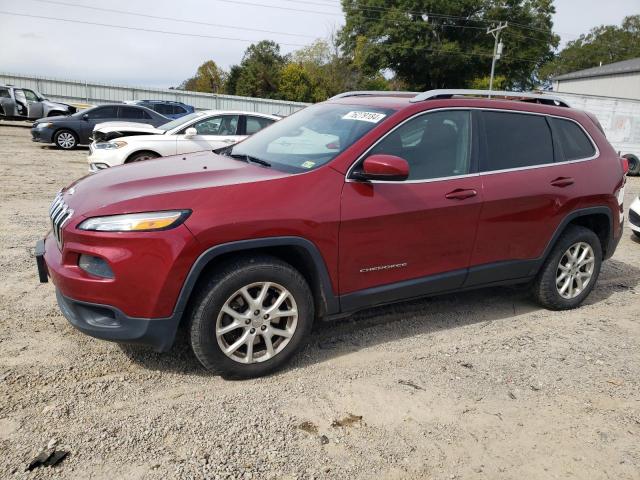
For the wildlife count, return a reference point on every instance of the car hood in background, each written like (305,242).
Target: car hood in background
(70,109)
(103,132)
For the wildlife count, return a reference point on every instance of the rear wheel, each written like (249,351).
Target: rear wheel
(571,270)
(65,139)
(142,156)
(251,317)
(634,164)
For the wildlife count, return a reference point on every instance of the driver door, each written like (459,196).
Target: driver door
(213,132)
(35,109)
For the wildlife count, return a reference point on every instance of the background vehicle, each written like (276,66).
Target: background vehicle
(167,108)
(25,104)
(634,217)
(424,194)
(206,130)
(620,119)
(69,132)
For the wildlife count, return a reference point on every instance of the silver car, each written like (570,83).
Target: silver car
(25,104)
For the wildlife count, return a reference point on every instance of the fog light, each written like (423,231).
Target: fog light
(95,266)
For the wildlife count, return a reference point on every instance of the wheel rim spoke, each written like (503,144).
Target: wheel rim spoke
(229,328)
(575,270)
(281,333)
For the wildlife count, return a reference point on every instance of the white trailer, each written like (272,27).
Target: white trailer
(620,119)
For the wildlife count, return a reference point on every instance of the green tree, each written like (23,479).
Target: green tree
(295,83)
(232,79)
(443,44)
(606,44)
(260,70)
(208,78)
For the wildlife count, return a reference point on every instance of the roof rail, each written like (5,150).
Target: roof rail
(377,93)
(523,96)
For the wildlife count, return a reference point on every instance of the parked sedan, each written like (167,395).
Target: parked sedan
(69,132)
(198,131)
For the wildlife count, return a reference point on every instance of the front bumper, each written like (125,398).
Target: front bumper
(109,323)
(99,159)
(42,135)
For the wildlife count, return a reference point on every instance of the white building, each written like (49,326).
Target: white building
(620,79)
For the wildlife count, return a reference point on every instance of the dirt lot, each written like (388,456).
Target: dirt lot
(481,385)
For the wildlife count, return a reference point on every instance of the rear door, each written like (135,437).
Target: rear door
(415,236)
(529,187)
(212,132)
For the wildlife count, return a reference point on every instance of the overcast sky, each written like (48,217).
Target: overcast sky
(54,48)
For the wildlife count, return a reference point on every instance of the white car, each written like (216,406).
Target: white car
(117,143)
(634,217)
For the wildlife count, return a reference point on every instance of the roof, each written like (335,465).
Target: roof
(617,68)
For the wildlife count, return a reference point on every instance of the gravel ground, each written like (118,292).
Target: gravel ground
(480,385)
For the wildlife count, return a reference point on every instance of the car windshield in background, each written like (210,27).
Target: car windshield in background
(311,137)
(180,121)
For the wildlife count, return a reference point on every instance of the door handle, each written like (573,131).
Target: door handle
(461,194)
(562,182)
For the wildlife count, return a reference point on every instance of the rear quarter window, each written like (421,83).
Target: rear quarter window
(4,93)
(516,140)
(575,144)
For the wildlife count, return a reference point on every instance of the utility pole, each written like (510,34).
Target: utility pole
(497,49)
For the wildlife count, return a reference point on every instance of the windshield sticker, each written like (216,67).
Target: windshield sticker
(372,117)
(308,164)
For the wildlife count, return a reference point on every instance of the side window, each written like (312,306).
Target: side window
(221,125)
(4,93)
(255,124)
(178,110)
(163,109)
(435,145)
(516,140)
(31,96)
(132,113)
(574,142)
(104,112)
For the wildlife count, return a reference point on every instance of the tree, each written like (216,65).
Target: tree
(295,84)
(260,70)
(209,78)
(604,44)
(443,44)
(232,79)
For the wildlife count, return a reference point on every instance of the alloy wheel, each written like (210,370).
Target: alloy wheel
(66,140)
(575,270)
(257,322)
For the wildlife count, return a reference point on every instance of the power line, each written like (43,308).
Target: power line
(156,17)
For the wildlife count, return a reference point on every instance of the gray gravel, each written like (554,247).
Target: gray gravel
(483,385)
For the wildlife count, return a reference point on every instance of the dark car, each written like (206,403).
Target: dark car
(363,200)
(167,108)
(69,132)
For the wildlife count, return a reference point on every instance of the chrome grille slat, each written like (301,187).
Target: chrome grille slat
(59,213)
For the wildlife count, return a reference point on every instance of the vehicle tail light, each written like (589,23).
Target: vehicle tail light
(625,165)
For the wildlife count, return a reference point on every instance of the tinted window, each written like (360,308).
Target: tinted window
(4,93)
(162,108)
(177,109)
(574,142)
(132,112)
(435,145)
(255,124)
(103,112)
(516,140)
(221,125)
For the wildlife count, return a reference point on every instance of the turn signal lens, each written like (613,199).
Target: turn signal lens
(136,222)
(625,165)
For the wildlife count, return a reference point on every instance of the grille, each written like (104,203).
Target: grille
(59,213)
(634,218)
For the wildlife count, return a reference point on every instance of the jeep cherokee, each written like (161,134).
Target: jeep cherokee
(366,199)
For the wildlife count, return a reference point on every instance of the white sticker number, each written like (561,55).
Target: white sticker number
(372,117)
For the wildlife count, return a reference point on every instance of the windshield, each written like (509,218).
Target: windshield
(180,121)
(311,137)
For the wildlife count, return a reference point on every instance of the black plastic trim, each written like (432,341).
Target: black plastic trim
(330,299)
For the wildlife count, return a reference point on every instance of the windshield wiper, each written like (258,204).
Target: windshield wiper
(247,158)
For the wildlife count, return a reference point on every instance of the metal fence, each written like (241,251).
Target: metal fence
(75,91)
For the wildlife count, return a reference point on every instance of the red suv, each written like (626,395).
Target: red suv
(366,199)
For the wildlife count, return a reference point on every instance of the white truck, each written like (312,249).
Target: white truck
(620,119)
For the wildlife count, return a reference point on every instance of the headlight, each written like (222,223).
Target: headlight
(136,222)
(45,125)
(110,145)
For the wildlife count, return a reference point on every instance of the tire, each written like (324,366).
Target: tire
(549,282)
(224,289)
(142,156)
(636,234)
(634,165)
(65,139)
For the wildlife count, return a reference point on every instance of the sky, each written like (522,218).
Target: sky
(221,30)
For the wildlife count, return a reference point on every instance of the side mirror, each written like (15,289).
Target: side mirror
(85,116)
(190,132)
(384,167)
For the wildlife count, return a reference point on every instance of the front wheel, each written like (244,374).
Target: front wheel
(141,157)
(65,139)
(571,270)
(251,317)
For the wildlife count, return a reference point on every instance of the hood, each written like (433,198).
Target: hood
(60,106)
(176,182)
(103,132)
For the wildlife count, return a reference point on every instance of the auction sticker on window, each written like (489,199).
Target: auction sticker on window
(373,117)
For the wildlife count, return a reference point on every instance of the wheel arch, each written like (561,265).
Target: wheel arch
(299,252)
(142,150)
